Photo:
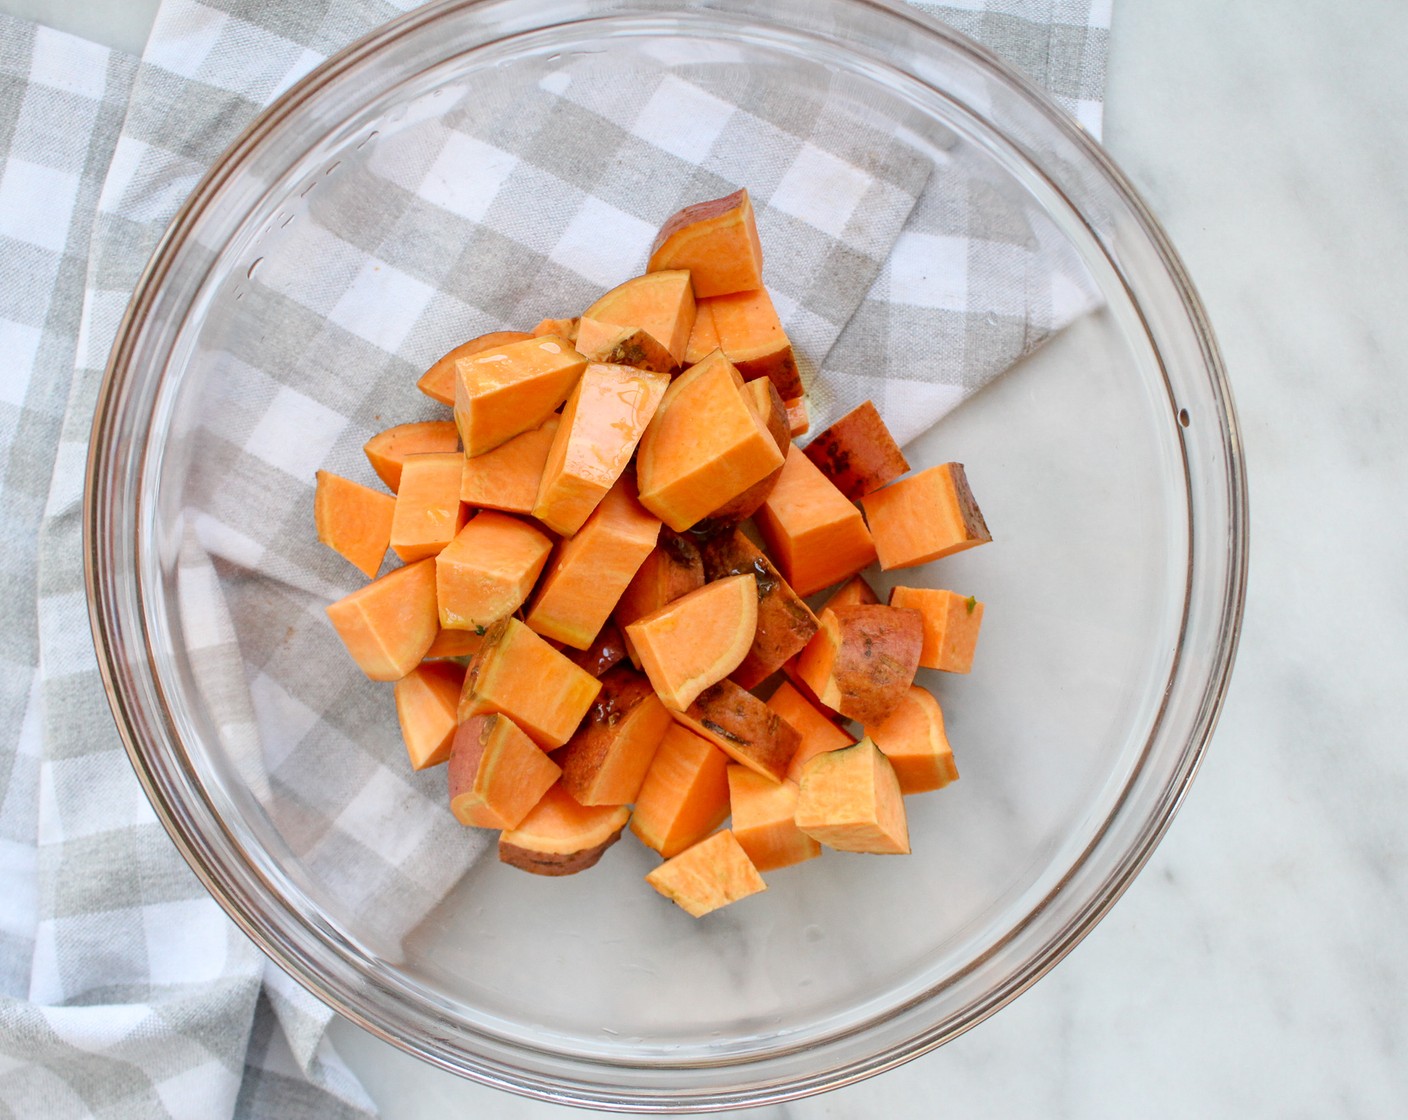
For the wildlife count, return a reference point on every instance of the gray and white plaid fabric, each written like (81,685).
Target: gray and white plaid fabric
(124,990)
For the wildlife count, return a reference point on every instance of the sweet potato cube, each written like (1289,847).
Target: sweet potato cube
(487,571)
(605,762)
(517,673)
(713,873)
(762,394)
(685,793)
(425,707)
(764,820)
(850,800)
(673,569)
(589,572)
(497,774)
(387,451)
(353,520)
(785,623)
(951,625)
(511,389)
(438,382)
(857,453)
(623,346)
(565,328)
(601,424)
(863,659)
(816,536)
(717,241)
(507,478)
(925,516)
(751,335)
(818,731)
(561,837)
(744,728)
(703,338)
(454,643)
(912,737)
(799,422)
(700,638)
(855,592)
(660,303)
(791,670)
(608,649)
(705,446)
(389,624)
(428,510)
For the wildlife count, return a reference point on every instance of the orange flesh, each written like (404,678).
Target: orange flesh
(389,624)
(819,733)
(507,478)
(428,509)
(912,737)
(792,671)
(487,571)
(605,762)
(673,569)
(711,874)
(438,382)
(850,800)
(454,643)
(353,520)
(704,338)
(857,453)
(685,793)
(744,728)
(626,346)
(855,592)
(425,707)
(924,517)
(661,303)
(717,241)
(497,774)
(511,389)
(762,395)
(763,820)
(750,333)
(798,422)
(862,659)
(565,328)
(951,625)
(387,451)
(559,825)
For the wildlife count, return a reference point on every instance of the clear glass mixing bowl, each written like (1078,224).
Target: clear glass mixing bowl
(1110,472)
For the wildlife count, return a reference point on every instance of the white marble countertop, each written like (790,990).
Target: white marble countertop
(1258,966)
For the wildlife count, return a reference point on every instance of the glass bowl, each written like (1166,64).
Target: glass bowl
(283,320)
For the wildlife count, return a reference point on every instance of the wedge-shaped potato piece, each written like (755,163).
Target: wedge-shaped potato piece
(698,639)
(497,774)
(857,453)
(387,451)
(589,572)
(764,821)
(454,643)
(511,389)
(438,382)
(660,303)
(951,625)
(608,649)
(745,326)
(744,728)
(425,707)
(487,571)
(561,837)
(816,536)
(713,873)
(925,516)
(855,592)
(601,425)
(624,346)
(799,421)
(507,478)
(685,793)
(785,623)
(605,762)
(763,396)
(519,674)
(706,445)
(819,732)
(353,520)
(564,328)
(428,510)
(850,800)
(863,659)
(717,241)
(673,569)
(912,737)
(389,624)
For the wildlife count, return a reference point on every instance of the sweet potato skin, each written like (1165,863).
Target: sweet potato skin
(555,863)
(858,453)
(863,659)
(561,820)
(744,728)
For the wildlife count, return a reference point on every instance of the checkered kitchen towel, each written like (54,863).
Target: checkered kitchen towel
(124,991)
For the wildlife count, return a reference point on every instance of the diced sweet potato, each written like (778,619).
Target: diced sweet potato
(912,737)
(428,510)
(785,623)
(564,328)
(857,453)
(863,659)
(750,333)
(387,450)
(438,382)
(507,478)
(703,339)
(605,762)
(925,516)
(519,674)
(497,774)
(762,394)
(764,820)
(511,389)
(717,241)
(660,303)
(698,639)
(601,424)
(951,625)
(389,624)
(790,670)
(454,643)
(685,793)
(353,520)
(425,707)
(818,731)
(816,536)
(608,649)
(561,837)
(855,592)
(850,800)
(799,422)
(673,569)
(487,571)
(705,446)
(589,572)
(713,873)
(744,728)
(624,346)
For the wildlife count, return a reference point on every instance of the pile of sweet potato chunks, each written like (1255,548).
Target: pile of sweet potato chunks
(583,623)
